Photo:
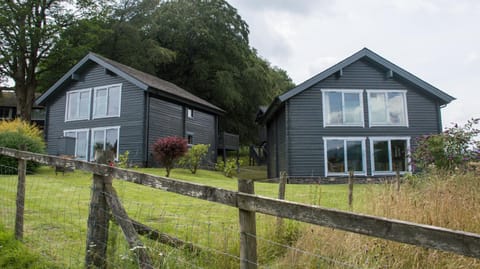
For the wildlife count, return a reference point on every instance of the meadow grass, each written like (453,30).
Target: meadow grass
(57,208)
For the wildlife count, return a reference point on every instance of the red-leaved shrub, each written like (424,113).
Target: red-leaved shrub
(168,150)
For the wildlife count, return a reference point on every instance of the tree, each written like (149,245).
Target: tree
(449,150)
(122,32)
(168,150)
(215,62)
(28,31)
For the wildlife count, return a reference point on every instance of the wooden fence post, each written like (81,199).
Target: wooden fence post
(248,229)
(398,179)
(350,189)
(281,196)
(20,200)
(128,229)
(97,230)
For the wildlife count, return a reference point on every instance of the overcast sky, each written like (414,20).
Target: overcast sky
(436,40)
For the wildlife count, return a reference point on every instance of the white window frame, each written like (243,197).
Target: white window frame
(67,103)
(189,113)
(405,110)
(104,129)
(107,87)
(76,135)
(345,139)
(342,91)
(389,140)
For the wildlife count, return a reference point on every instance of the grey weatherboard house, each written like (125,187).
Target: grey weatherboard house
(103,103)
(362,114)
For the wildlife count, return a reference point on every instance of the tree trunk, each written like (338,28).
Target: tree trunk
(25,97)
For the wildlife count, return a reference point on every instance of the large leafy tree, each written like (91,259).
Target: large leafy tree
(201,46)
(214,60)
(28,31)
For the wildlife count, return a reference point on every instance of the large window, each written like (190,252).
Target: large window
(342,108)
(81,142)
(345,154)
(387,108)
(389,154)
(105,139)
(106,101)
(78,105)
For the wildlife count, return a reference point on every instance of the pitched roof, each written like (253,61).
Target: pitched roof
(141,79)
(8,97)
(443,97)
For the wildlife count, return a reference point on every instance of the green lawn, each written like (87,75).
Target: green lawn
(57,208)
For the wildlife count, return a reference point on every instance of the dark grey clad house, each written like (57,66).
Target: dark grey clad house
(107,104)
(362,114)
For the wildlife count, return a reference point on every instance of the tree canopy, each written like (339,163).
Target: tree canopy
(202,46)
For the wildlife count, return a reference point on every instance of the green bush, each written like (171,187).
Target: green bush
(452,149)
(15,133)
(229,168)
(195,155)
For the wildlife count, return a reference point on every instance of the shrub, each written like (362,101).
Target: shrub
(168,150)
(15,133)
(195,155)
(229,168)
(452,149)
(123,159)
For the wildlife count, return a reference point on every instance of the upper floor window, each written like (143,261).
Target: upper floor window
(78,105)
(342,108)
(387,108)
(106,101)
(189,113)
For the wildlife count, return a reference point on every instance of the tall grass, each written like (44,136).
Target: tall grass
(439,199)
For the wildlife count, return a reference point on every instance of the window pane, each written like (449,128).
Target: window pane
(113,101)
(399,155)
(84,105)
(378,108)
(354,156)
(396,108)
(73,99)
(353,110)
(81,145)
(112,141)
(101,102)
(98,136)
(335,156)
(334,107)
(380,155)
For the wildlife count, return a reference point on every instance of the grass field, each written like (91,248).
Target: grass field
(57,209)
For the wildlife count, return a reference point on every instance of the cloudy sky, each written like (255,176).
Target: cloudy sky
(436,40)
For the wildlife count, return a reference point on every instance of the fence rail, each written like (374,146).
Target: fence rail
(459,242)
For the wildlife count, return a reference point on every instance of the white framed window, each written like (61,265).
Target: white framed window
(342,107)
(190,138)
(78,105)
(105,138)
(189,113)
(106,101)
(387,154)
(81,142)
(387,108)
(344,154)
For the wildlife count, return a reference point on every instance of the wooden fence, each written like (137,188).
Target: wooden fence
(459,242)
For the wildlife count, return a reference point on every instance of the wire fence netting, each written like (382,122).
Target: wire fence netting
(57,207)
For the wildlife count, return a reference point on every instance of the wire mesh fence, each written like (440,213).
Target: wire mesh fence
(56,212)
